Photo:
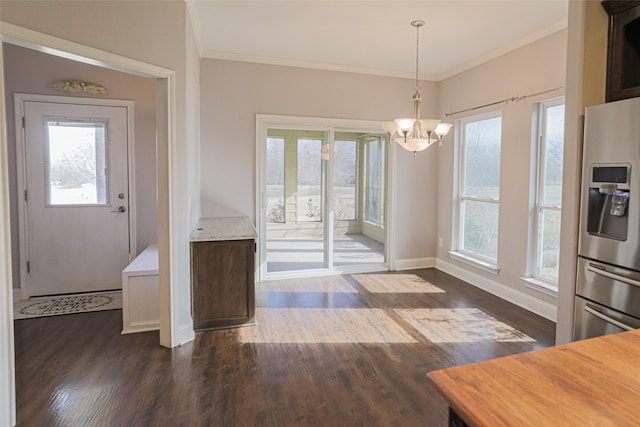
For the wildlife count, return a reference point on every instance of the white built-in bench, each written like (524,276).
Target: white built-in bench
(141,293)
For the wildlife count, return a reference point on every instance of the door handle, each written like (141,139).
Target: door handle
(601,271)
(121,209)
(607,319)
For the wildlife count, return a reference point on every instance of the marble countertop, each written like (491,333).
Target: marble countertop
(223,228)
(593,382)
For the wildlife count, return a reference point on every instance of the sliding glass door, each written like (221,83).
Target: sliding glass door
(322,203)
(358,200)
(295,208)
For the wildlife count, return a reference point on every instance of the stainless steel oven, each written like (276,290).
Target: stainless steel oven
(607,300)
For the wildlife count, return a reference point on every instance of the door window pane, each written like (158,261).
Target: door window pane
(275,181)
(345,180)
(309,197)
(76,163)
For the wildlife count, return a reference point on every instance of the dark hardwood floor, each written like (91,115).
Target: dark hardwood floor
(355,356)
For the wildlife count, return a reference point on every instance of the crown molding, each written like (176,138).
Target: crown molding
(231,56)
(287,62)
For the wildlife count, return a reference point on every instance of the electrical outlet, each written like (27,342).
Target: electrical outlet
(440,242)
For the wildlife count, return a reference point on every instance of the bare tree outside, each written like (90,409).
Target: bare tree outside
(275,180)
(76,163)
(482,144)
(345,179)
(309,196)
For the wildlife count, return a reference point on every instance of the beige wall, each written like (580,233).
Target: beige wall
(44,69)
(234,92)
(533,68)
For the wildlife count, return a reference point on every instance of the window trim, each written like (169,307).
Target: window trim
(533,258)
(473,258)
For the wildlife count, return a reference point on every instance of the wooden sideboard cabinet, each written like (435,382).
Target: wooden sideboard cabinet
(222,273)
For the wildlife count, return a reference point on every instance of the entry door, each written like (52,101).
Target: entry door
(76,198)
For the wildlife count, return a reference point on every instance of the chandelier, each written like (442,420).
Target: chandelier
(415,134)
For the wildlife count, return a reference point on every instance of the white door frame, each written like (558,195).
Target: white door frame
(7,368)
(329,125)
(20,99)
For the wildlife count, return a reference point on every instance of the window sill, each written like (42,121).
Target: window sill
(540,286)
(482,265)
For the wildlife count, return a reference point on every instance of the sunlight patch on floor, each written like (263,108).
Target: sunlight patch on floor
(331,326)
(303,253)
(322,284)
(396,283)
(460,325)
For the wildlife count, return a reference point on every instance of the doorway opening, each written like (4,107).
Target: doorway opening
(163,109)
(322,208)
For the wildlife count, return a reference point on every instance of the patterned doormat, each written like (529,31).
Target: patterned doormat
(67,304)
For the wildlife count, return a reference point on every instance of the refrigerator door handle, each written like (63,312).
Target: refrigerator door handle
(594,268)
(589,309)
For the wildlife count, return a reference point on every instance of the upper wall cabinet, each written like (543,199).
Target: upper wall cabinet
(623,55)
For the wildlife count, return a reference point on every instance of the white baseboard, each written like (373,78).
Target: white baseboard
(185,333)
(541,308)
(17,295)
(415,263)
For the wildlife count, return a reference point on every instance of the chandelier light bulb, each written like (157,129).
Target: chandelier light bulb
(404,125)
(416,134)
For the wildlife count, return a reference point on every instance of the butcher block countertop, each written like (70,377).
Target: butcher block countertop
(594,382)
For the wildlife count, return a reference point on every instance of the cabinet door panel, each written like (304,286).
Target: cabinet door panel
(223,284)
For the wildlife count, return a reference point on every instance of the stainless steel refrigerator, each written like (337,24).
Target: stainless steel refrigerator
(608,279)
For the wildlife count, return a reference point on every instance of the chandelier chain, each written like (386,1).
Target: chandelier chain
(417,53)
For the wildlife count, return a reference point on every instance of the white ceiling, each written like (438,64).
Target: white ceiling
(373,37)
